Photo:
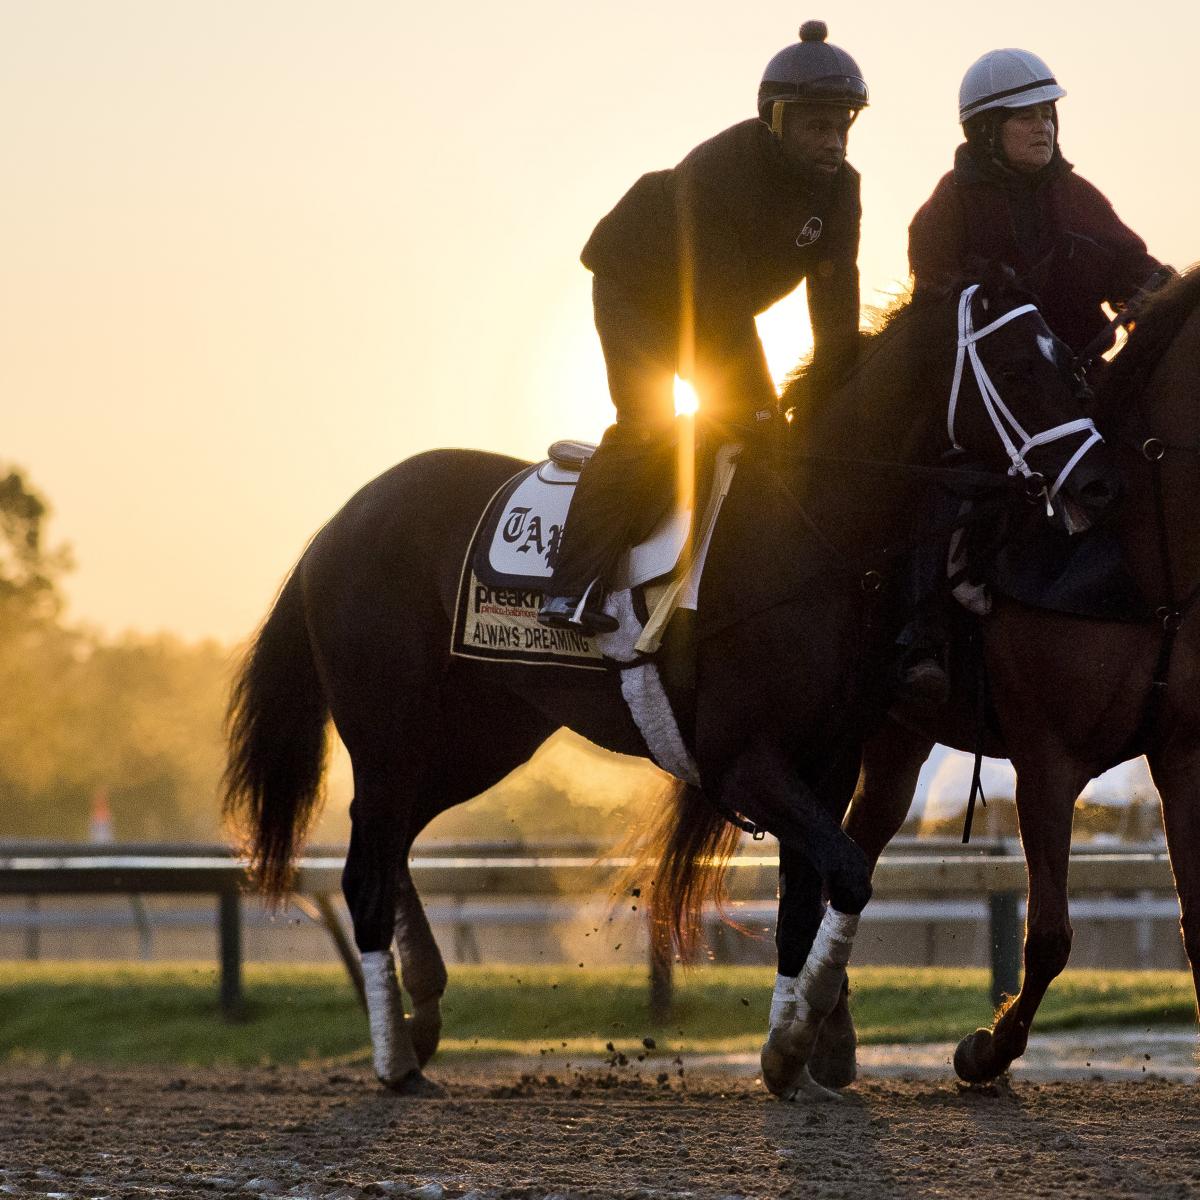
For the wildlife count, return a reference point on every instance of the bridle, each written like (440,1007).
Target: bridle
(1007,427)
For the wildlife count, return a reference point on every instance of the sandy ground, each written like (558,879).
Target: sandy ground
(82,1132)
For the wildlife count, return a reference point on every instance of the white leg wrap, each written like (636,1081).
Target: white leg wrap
(390,1043)
(784,1002)
(820,982)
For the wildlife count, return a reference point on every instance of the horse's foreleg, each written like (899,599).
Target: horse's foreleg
(1177,777)
(833,1062)
(1046,794)
(765,787)
(892,762)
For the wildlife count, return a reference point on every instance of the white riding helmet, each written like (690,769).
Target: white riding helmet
(1006,79)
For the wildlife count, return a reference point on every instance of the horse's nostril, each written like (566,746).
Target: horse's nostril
(1099,492)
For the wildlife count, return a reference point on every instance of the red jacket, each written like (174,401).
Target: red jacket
(1056,230)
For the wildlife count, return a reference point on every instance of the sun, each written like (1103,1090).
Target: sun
(687,403)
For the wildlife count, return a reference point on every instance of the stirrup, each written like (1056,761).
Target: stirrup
(926,680)
(580,613)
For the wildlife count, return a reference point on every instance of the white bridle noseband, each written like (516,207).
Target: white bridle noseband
(999,413)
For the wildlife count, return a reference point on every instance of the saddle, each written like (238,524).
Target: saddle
(510,561)
(516,543)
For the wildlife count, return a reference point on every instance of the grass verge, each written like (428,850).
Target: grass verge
(167,1013)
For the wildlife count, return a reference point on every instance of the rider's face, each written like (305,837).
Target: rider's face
(814,136)
(1027,137)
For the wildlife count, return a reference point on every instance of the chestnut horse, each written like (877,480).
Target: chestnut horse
(783,658)
(1074,696)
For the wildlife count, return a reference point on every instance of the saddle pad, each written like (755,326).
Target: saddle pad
(495,616)
(509,562)
(518,538)
(501,625)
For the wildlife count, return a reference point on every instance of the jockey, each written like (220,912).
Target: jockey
(1012,198)
(681,267)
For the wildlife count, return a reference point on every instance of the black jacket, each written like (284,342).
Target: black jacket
(755,228)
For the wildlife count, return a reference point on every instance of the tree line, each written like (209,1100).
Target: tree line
(137,719)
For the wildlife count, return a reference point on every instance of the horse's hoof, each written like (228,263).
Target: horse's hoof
(425,1029)
(806,1088)
(778,1069)
(785,1055)
(975,1058)
(415,1086)
(834,1061)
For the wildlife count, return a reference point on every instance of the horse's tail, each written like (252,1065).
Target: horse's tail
(276,730)
(686,850)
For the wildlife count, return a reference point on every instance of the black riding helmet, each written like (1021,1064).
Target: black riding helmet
(810,71)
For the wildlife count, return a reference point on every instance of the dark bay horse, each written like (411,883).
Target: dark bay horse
(360,633)
(1075,696)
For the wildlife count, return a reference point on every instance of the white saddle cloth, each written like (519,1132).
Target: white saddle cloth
(535,513)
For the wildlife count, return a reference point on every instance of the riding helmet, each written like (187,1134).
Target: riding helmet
(810,71)
(1006,79)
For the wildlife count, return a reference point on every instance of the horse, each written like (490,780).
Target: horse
(1132,687)
(783,653)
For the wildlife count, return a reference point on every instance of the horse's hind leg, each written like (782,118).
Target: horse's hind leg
(422,970)
(1046,793)
(371,884)
(475,764)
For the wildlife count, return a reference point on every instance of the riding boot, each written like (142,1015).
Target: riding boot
(923,668)
(616,487)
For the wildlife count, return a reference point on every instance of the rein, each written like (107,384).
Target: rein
(971,476)
(1172,612)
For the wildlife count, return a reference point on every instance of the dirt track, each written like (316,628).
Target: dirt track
(83,1132)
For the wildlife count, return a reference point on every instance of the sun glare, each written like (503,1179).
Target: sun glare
(686,400)
(785,334)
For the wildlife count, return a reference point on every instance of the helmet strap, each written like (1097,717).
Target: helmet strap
(779,107)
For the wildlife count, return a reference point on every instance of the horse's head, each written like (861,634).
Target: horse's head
(1015,399)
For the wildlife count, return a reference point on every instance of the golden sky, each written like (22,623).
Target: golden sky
(255,252)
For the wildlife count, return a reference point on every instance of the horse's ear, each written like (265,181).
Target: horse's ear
(995,278)
(994,274)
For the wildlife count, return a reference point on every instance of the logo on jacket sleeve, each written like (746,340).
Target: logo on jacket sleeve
(810,232)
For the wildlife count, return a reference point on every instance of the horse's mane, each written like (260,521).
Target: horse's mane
(819,376)
(809,388)
(1157,327)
